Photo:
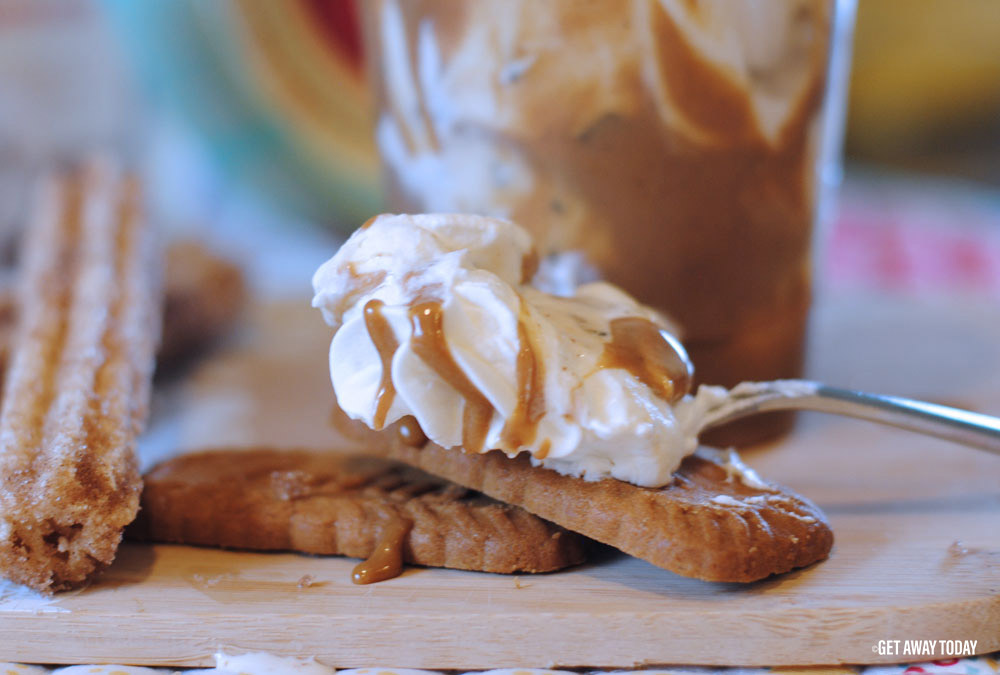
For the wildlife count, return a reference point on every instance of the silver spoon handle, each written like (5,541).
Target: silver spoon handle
(961,426)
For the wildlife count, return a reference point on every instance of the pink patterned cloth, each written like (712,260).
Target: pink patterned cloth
(983,665)
(918,236)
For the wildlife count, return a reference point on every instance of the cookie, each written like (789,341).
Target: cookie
(203,297)
(716,521)
(330,503)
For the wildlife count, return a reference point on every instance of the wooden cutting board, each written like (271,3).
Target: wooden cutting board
(917,522)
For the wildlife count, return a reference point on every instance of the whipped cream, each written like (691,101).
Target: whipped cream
(436,316)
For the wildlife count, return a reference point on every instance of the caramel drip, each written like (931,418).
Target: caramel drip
(386,561)
(368,223)
(429,344)
(639,346)
(410,433)
(544,449)
(386,344)
(522,425)
(529,266)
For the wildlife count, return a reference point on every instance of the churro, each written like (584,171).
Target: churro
(8,318)
(204,296)
(77,386)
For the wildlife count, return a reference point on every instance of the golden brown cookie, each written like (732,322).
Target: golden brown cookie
(330,503)
(204,296)
(713,522)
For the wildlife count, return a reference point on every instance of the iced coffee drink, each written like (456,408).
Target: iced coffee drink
(675,143)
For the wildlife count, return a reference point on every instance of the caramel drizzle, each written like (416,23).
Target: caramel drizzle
(409,432)
(427,319)
(639,346)
(529,266)
(386,561)
(544,449)
(428,342)
(522,425)
(386,344)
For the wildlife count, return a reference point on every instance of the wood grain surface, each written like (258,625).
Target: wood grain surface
(917,524)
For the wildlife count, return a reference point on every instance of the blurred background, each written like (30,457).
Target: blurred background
(250,112)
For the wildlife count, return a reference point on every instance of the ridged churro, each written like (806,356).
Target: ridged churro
(8,318)
(204,296)
(77,386)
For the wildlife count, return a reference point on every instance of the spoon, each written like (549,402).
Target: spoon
(952,424)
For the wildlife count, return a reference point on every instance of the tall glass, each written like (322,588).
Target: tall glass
(681,146)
